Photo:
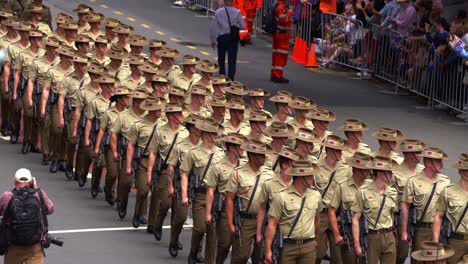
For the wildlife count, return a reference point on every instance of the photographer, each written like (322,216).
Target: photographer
(24,210)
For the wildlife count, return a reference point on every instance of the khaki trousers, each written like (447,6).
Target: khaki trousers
(5,101)
(300,254)
(112,171)
(242,246)
(382,247)
(403,246)
(325,239)
(224,239)
(27,120)
(154,204)
(57,142)
(98,166)
(420,234)
(163,202)
(124,186)
(83,158)
(461,249)
(178,218)
(348,255)
(141,202)
(200,228)
(71,141)
(44,126)
(15,116)
(24,254)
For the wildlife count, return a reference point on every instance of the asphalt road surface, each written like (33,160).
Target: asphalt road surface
(91,229)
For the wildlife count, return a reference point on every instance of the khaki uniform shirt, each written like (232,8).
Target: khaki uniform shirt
(368,201)
(243,128)
(84,28)
(140,133)
(14,51)
(263,138)
(242,181)
(122,72)
(70,45)
(417,192)
(86,95)
(44,28)
(271,188)
(179,151)
(219,176)
(97,108)
(362,147)
(196,161)
(131,84)
(55,76)
(109,117)
(345,193)
(178,78)
(73,86)
(5,43)
(104,62)
(342,171)
(452,202)
(401,177)
(162,141)
(125,121)
(91,35)
(393,155)
(308,124)
(285,207)
(40,67)
(203,111)
(209,87)
(318,147)
(25,60)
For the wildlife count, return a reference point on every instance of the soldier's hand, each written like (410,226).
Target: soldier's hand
(148,181)
(171,191)
(404,236)
(74,133)
(129,172)
(115,156)
(184,200)
(42,115)
(359,251)
(30,103)
(208,218)
(61,122)
(259,239)
(268,257)
(339,240)
(14,97)
(232,229)
(95,153)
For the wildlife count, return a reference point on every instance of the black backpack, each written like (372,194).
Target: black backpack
(24,218)
(269,20)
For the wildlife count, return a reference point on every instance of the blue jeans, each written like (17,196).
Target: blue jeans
(225,44)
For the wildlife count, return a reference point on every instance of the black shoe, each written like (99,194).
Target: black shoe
(63,166)
(4,131)
(99,189)
(326,257)
(81,179)
(45,159)
(179,246)
(13,138)
(158,233)
(150,229)
(192,259)
(33,149)
(173,250)
(143,221)
(122,210)
(69,172)
(26,147)
(280,80)
(54,166)
(199,259)
(109,198)
(94,192)
(136,221)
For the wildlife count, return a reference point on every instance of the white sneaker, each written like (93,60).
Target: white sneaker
(364,75)
(179,3)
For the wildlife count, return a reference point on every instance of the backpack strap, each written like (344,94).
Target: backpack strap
(44,210)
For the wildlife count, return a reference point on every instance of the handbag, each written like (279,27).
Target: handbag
(234,31)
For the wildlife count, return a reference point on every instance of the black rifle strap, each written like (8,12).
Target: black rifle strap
(332,176)
(229,19)
(169,151)
(434,187)
(207,167)
(257,180)
(276,163)
(321,148)
(297,217)
(44,210)
(380,211)
(461,218)
(150,138)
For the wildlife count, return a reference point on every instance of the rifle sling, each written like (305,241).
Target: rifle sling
(461,218)
(149,141)
(329,183)
(169,151)
(380,211)
(207,166)
(276,163)
(434,186)
(296,220)
(253,194)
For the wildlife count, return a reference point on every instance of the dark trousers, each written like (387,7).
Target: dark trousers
(225,44)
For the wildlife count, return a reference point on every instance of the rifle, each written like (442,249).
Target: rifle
(237,219)
(345,226)
(50,101)
(194,184)
(35,98)
(81,128)
(446,230)
(412,221)
(395,226)
(122,147)
(104,145)
(67,109)
(156,170)
(176,181)
(137,155)
(217,207)
(364,230)
(277,245)
(21,87)
(11,80)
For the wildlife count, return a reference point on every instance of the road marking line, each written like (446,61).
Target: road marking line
(118,13)
(104,6)
(5,138)
(205,53)
(145,25)
(130,19)
(110,229)
(160,32)
(175,39)
(191,47)
(92,1)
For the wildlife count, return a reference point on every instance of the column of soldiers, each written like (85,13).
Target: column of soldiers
(273,188)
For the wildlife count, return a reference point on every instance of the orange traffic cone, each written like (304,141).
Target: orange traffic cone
(311,59)
(295,49)
(302,56)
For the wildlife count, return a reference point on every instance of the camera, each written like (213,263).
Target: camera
(52,240)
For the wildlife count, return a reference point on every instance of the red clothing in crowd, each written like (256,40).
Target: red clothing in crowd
(284,22)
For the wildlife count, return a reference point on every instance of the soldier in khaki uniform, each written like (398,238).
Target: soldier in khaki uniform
(283,111)
(257,101)
(100,50)
(452,204)
(160,86)
(353,130)
(170,134)
(422,191)
(149,70)
(179,211)
(25,13)
(280,134)
(245,185)
(258,122)
(37,77)
(207,69)
(296,211)
(52,87)
(301,106)
(137,45)
(305,142)
(70,32)
(109,26)
(410,167)
(321,119)
(116,67)
(135,79)
(82,44)
(37,12)
(236,91)
(177,95)
(218,105)
(388,139)
(109,117)
(197,164)
(155,45)
(197,97)
(82,11)
(139,137)
(168,56)
(236,123)
(187,76)
(67,101)
(372,198)
(60,19)
(220,83)
(120,132)
(123,34)
(340,205)
(94,21)
(5,13)
(24,61)
(86,96)
(333,169)
(217,182)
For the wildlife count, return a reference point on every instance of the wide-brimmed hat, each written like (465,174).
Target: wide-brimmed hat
(255,146)
(360,160)
(199,89)
(388,134)
(307,135)
(101,39)
(149,67)
(69,25)
(209,125)
(258,92)
(94,17)
(116,52)
(462,163)
(411,145)
(136,60)
(10,22)
(123,29)
(111,23)
(80,59)
(53,42)
(282,97)
(156,43)
(6,13)
(321,114)
(137,41)
(432,251)
(106,78)
(259,116)
(62,18)
(83,9)
(434,153)
(66,51)
(207,66)
(289,153)
(383,164)
(82,38)
(353,125)
(177,91)
(140,93)
(166,52)
(234,138)
(24,26)
(236,105)
(237,88)
(35,34)
(190,60)
(173,108)
(303,168)
(219,80)
(193,119)
(95,68)
(279,129)
(159,78)
(218,100)
(120,91)
(335,142)
(464,260)
(36,8)
(152,104)
(302,103)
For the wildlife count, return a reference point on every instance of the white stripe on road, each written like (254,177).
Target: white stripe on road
(90,230)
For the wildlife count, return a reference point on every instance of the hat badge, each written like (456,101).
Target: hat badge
(429,153)
(281,97)
(380,164)
(331,142)
(385,134)
(254,116)
(358,161)
(318,114)
(233,138)
(170,108)
(254,147)
(194,120)
(276,130)
(350,126)
(410,147)
(286,153)
(301,170)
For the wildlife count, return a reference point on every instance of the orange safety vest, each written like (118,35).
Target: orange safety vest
(328,6)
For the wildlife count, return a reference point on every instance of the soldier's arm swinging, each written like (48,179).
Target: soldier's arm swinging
(99,137)
(404,209)
(151,162)
(209,204)
(45,96)
(334,226)
(184,186)
(436,226)
(230,211)
(113,143)
(6,76)
(60,105)
(29,91)
(261,214)
(170,177)
(357,243)
(16,83)
(129,159)
(317,225)
(76,121)
(89,125)
(269,235)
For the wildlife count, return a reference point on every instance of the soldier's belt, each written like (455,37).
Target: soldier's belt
(381,231)
(424,225)
(458,236)
(297,241)
(202,190)
(244,215)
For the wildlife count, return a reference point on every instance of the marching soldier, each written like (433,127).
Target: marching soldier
(321,119)
(194,168)
(333,169)
(296,211)
(301,106)
(218,105)
(197,97)
(25,14)
(148,70)
(100,50)
(82,44)
(187,76)
(155,45)
(236,123)
(70,31)
(340,205)
(50,106)
(236,91)
(137,45)
(116,67)
(102,147)
(60,19)
(160,86)
(258,122)
(388,139)
(110,35)
(283,111)
(168,57)
(82,12)
(207,69)
(280,134)
(94,21)
(257,101)
(217,182)
(37,12)
(135,79)
(410,167)
(453,204)
(220,83)
(37,78)
(306,139)
(422,192)
(177,95)
(120,132)
(375,203)
(123,33)
(139,138)
(245,185)
(353,130)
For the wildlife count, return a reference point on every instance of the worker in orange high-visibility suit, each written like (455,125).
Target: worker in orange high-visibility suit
(243,32)
(250,8)
(284,23)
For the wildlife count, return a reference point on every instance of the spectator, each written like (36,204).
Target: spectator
(424,9)
(390,11)
(407,19)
